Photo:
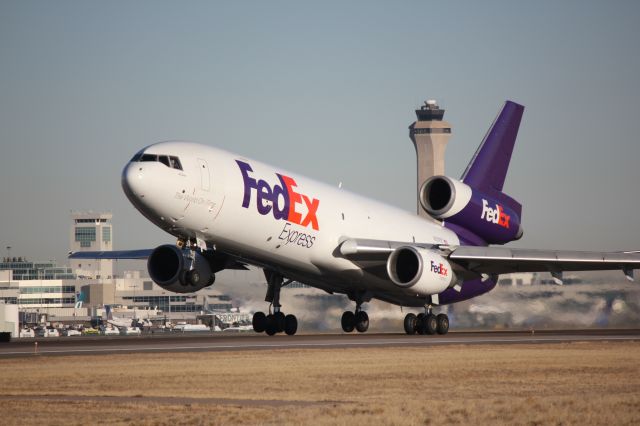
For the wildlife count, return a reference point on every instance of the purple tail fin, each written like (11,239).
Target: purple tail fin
(491,216)
(488,167)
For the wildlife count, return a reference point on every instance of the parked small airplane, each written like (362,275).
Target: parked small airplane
(227,211)
(125,325)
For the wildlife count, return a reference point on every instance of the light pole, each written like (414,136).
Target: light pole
(10,270)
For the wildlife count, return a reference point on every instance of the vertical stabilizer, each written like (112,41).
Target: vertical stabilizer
(488,167)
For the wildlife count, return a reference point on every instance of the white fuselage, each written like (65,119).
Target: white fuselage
(270,217)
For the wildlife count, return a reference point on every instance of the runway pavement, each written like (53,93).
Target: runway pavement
(251,341)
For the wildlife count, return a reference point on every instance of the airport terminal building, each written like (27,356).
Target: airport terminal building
(83,288)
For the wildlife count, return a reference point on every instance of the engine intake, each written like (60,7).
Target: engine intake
(493,217)
(420,271)
(443,197)
(170,268)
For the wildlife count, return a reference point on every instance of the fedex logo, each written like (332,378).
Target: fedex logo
(281,200)
(439,269)
(497,215)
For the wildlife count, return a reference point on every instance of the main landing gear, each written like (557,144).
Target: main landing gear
(275,322)
(426,323)
(358,320)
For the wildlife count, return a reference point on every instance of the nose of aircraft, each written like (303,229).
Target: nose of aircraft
(133,181)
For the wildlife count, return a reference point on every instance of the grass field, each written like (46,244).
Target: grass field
(576,383)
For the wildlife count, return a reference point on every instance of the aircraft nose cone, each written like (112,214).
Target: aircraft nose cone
(132,181)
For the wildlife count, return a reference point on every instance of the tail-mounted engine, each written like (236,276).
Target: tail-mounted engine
(420,272)
(173,269)
(495,218)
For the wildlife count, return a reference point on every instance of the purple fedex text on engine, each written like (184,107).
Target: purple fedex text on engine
(439,269)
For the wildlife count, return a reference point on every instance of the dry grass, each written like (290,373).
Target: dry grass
(594,383)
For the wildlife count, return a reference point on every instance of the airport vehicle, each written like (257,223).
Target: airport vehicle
(227,211)
(129,331)
(27,332)
(238,329)
(109,331)
(190,327)
(69,332)
(47,332)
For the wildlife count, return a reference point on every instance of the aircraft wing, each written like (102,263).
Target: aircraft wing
(112,254)
(227,261)
(501,260)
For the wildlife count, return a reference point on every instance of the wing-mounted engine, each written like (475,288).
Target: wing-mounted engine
(419,271)
(492,216)
(175,270)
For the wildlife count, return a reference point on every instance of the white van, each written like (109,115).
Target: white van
(47,332)
(27,332)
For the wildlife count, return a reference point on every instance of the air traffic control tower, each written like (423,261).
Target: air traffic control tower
(430,135)
(92,232)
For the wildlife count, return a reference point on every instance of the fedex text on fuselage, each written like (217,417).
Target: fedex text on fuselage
(282,200)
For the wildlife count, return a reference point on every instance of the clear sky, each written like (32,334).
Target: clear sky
(326,89)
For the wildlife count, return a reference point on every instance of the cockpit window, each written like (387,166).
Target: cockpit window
(175,163)
(169,161)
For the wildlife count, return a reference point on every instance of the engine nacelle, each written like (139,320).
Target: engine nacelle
(420,271)
(493,217)
(170,268)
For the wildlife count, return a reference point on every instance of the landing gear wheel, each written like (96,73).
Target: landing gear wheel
(290,325)
(279,321)
(348,321)
(271,325)
(431,324)
(259,322)
(362,321)
(442,321)
(410,322)
(420,324)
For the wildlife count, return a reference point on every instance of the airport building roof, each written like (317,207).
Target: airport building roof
(24,269)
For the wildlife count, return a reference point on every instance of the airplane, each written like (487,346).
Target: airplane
(227,211)
(124,324)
